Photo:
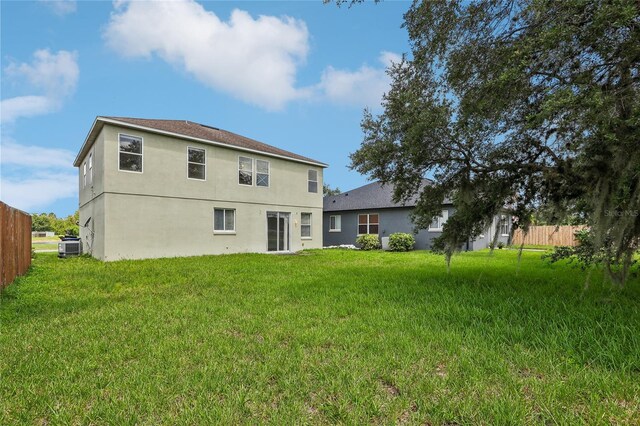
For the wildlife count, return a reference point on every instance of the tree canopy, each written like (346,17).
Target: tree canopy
(521,104)
(59,225)
(327,190)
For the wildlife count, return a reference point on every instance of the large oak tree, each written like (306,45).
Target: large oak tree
(525,104)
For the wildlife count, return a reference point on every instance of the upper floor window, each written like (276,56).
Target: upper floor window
(504,226)
(335,223)
(368,223)
(313,181)
(305,225)
(84,174)
(91,167)
(196,163)
(439,221)
(245,171)
(262,173)
(130,153)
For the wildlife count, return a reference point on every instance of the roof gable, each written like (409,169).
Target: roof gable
(190,130)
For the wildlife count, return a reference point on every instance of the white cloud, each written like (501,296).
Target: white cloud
(61,7)
(55,74)
(363,87)
(52,72)
(389,58)
(34,177)
(25,106)
(254,60)
(39,191)
(35,156)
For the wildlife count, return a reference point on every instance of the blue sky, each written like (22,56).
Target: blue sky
(296,75)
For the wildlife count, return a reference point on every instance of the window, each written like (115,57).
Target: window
(305,225)
(368,224)
(439,221)
(313,181)
(262,173)
(224,220)
(84,174)
(504,226)
(91,168)
(196,163)
(335,223)
(130,153)
(245,171)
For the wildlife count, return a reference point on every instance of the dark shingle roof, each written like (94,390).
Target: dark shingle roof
(371,196)
(189,129)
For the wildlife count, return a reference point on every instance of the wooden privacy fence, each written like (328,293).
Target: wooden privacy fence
(547,235)
(15,243)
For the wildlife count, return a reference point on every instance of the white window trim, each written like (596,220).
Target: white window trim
(368,223)
(219,232)
(310,225)
(340,228)
(311,180)
(191,162)
(141,153)
(84,174)
(268,172)
(443,215)
(252,171)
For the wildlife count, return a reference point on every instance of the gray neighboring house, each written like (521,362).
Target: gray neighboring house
(370,210)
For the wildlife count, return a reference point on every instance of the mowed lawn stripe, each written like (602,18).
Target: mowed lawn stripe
(318,337)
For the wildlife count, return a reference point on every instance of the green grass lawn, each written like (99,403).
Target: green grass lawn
(45,243)
(531,247)
(45,246)
(319,337)
(54,238)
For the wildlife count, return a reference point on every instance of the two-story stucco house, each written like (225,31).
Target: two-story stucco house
(166,188)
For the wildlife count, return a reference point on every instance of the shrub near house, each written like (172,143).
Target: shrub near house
(368,242)
(401,241)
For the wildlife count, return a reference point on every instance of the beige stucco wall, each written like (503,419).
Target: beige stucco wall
(147,227)
(162,213)
(91,200)
(95,179)
(93,235)
(165,173)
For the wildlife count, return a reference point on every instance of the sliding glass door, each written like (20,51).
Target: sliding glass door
(278,231)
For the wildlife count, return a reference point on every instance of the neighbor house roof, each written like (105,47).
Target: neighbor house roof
(371,196)
(191,131)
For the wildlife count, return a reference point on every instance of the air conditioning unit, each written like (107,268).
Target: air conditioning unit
(69,247)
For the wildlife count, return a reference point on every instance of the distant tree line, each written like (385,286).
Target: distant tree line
(50,222)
